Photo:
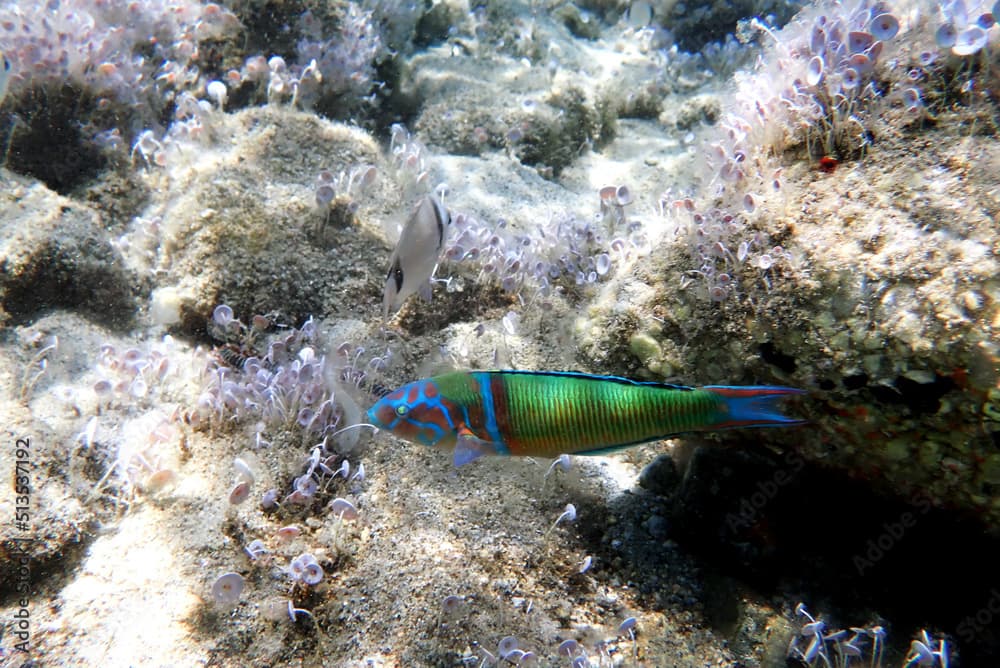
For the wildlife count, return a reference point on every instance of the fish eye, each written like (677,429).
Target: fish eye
(402,410)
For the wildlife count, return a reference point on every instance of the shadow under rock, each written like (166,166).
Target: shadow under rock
(775,525)
(49,570)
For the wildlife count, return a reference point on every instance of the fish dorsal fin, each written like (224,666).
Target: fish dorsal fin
(469,447)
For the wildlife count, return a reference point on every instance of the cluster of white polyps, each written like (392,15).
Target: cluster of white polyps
(965,26)
(286,386)
(562,249)
(127,51)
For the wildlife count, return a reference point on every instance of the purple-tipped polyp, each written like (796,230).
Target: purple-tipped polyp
(858,41)
(884,27)
(970,41)
(815,71)
(227,589)
(945,36)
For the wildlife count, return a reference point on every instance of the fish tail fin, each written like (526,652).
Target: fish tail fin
(752,406)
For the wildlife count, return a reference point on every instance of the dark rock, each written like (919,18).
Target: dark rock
(55,254)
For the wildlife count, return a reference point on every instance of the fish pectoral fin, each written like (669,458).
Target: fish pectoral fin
(469,447)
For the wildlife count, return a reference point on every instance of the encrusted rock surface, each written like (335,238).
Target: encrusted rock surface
(247,231)
(888,313)
(54,253)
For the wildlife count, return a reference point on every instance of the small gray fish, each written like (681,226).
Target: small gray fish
(4,75)
(416,254)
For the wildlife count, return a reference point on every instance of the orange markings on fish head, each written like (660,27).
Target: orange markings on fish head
(415,412)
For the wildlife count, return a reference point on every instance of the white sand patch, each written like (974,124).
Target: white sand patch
(132,601)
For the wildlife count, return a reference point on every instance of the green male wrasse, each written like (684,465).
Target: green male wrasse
(550,413)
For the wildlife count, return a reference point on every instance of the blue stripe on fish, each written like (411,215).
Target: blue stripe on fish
(489,410)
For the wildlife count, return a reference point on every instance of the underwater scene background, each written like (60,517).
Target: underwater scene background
(228,229)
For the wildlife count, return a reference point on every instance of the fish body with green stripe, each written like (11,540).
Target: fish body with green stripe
(549,413)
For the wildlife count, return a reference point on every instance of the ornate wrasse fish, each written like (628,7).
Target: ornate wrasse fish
(549,413)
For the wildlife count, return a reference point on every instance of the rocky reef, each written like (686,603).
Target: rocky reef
(195,230)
